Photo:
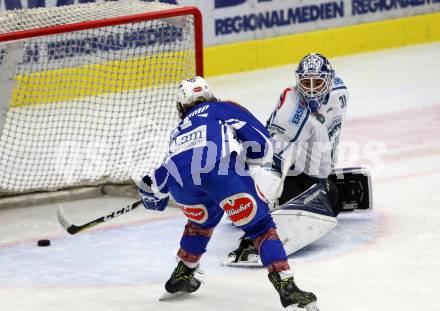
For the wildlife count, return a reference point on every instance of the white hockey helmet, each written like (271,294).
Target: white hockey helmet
(192,91)
(314,76)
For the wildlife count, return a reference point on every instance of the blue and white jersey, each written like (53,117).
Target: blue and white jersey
(209,132)
(308,141)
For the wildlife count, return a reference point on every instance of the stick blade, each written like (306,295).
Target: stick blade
(62,219)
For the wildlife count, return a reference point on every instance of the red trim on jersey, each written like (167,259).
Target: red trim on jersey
(283,97)
(192,229)
(187,256)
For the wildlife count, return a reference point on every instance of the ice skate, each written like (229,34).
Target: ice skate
(181,282)
(292,298)
(245,255)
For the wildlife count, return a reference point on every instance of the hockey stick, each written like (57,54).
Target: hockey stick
(73,229)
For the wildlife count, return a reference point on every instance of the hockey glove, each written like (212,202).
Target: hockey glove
(152,200)
(269,183)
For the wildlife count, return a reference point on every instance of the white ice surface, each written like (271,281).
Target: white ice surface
(386,260)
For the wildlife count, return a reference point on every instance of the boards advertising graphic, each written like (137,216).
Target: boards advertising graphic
(229,21)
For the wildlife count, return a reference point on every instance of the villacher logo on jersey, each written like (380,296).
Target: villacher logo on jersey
(197,213)
(240,208)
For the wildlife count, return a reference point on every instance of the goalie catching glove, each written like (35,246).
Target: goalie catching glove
(154,200)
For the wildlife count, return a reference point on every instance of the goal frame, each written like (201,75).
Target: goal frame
(85,192)
(59,29)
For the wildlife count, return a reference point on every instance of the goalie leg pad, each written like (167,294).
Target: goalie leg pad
(299,222)
(297,230)
(354,189)
(304,219)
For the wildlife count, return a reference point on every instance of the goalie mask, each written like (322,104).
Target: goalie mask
(192,92)
(314,76)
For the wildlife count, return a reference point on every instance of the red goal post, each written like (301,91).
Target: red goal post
(89,91)
(174,12)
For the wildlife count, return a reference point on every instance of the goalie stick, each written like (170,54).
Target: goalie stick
(73,229)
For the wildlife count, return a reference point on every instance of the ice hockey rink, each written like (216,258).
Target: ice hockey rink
(388,259)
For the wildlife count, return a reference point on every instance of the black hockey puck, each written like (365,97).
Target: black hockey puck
(43,242)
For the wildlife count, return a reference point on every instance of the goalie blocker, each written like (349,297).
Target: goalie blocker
(312,214)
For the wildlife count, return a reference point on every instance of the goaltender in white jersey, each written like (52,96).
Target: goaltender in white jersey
(301,182)
(308,140)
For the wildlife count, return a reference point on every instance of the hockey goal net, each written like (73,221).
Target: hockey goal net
(88,91)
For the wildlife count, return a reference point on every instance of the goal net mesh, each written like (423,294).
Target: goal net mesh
(91,105)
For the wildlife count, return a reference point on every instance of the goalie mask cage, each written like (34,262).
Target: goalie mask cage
(88,91)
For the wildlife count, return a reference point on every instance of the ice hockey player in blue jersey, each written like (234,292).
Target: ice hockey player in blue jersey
(205,171)
(306,124)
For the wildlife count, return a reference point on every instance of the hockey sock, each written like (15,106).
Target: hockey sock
(285,274)
(190,260)
(193,243)
(271,250)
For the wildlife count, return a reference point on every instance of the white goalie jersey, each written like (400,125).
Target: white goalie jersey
(307,142)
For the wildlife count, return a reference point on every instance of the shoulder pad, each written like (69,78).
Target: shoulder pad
(338,84)
(230,103)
